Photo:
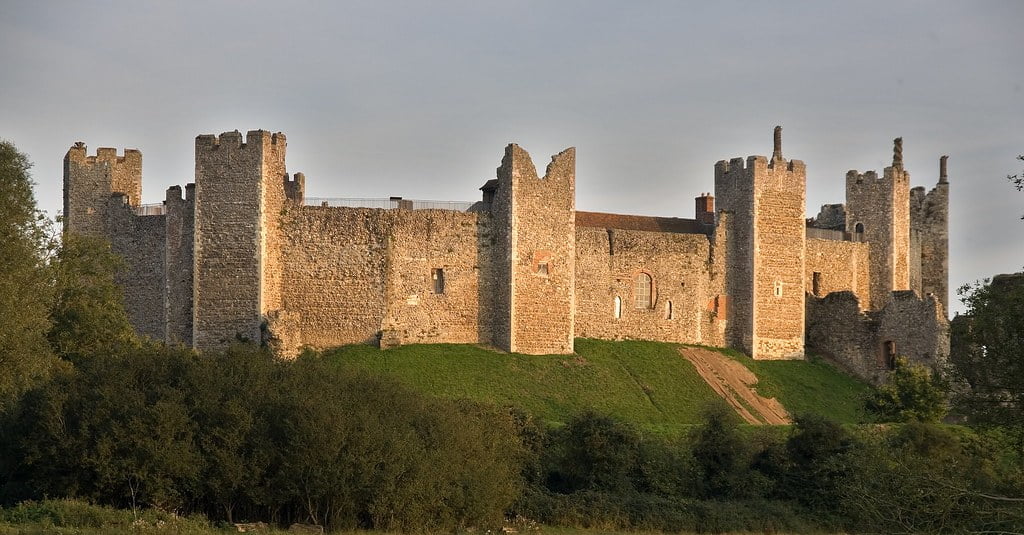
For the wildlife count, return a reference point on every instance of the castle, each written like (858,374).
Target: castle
(240,253)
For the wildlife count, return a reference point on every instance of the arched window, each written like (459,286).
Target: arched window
(668,310)
(618,307)
(644,285)
(859,228)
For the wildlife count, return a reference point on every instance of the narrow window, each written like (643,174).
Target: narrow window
(617,310)
(890,354)
(778,289)
(437,277)
(542,268)
(816,284)
(859,228)
(668,310)
(644,286)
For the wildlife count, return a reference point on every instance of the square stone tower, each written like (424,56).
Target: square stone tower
(765,253)
(241,187)
(878,212)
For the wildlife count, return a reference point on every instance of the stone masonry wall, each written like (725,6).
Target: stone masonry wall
(180,232)
(779,257)
(90,180)
(840,265)
(141,241)
(608,262)
(918,328)
(929,224)
(229,239)
(734,192)
(542,251)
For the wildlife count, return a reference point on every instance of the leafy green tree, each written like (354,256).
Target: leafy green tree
(821,456)
(912,394)
(88,312)
(987,355)
(720,453)
(597,452)
(25,289)
(1018,179)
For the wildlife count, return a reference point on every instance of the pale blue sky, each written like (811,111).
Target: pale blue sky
(418,99)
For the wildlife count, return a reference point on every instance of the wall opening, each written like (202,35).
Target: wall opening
(889,354)
(668,310)
(437,277)
(859,228)
(644,287)
(816,284)
(778,289)
(542,268)
(617,308)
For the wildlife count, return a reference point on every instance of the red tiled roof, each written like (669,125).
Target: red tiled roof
(639,222)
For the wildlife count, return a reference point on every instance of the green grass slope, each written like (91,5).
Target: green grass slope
(647,383)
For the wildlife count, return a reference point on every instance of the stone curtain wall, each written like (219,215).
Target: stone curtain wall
(843,266)
(353,274)
(607,264)
(918,328)
(90,180)
(542,231)
(141,241)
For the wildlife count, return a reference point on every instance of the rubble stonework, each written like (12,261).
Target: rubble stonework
(240,255)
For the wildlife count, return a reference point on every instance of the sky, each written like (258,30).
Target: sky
(419,99)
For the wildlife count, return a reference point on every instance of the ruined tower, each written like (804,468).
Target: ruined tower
(929,239)
(765,253)
(241,187)
(535,226)
(878,212)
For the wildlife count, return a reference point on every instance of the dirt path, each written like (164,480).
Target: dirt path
(734,382)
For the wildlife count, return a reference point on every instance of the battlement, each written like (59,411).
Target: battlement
(295,187)
(234,140)
(108,155)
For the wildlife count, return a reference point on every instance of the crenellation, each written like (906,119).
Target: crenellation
(237,254)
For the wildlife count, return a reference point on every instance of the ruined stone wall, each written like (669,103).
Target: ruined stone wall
(839,330)
(541,245)
(230,241)
(840,266)
(141,241)
(180,214)
(918,328)
(90,180)
(929,224)
(861,342)
(608,262)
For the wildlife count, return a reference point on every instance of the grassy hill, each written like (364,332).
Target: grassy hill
(647,383)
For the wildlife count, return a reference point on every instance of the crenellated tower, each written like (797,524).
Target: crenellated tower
(765,252)
(878,212)
(89,181)
(241,187)
(535,220)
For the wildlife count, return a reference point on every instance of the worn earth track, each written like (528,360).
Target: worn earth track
(734,382)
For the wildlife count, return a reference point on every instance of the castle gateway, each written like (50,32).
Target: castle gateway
(242,253)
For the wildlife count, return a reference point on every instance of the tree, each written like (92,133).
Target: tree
(25,243)
(88,315)
(987,354)
(912,394)
(1018,179)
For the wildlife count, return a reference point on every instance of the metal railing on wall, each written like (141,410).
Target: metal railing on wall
(835,235)
(151,209)
(389,204)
